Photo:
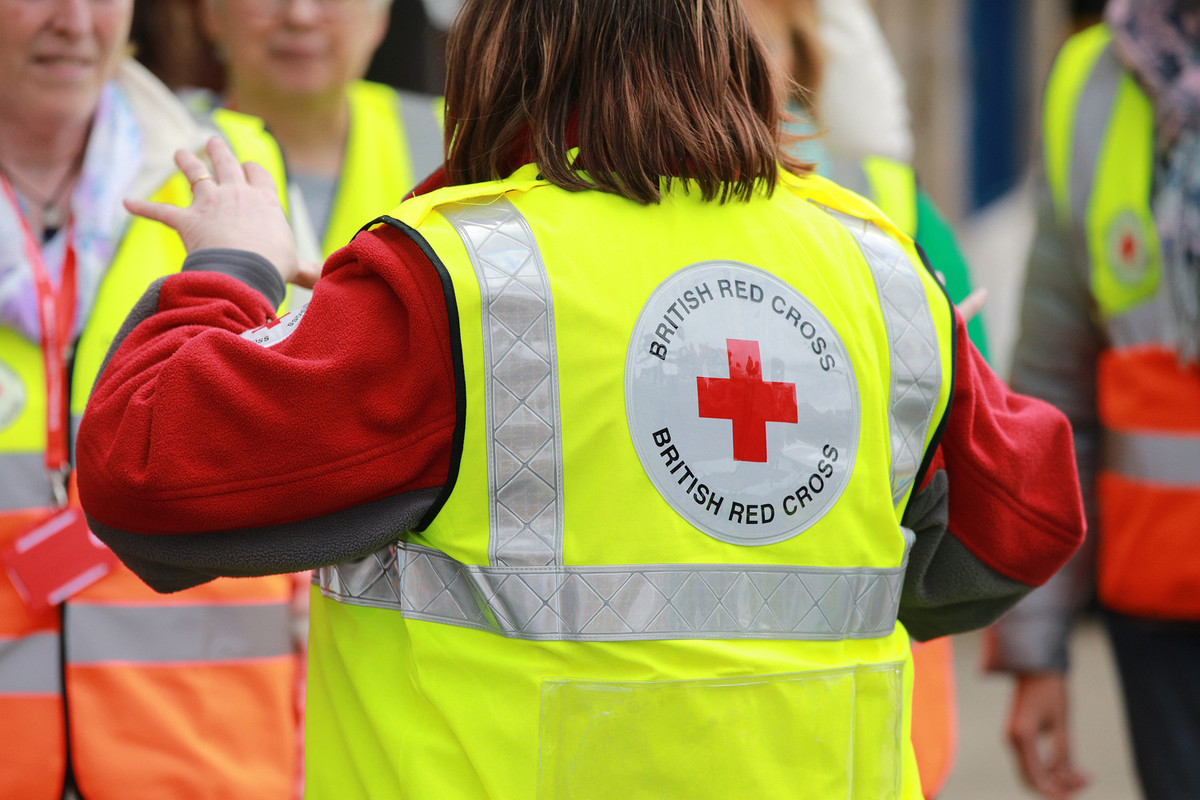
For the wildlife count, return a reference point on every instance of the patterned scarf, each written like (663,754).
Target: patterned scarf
(110,163)
(1159,41)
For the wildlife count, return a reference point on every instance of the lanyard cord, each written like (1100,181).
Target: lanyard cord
(56,311)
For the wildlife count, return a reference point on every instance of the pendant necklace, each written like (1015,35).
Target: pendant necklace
(52,216)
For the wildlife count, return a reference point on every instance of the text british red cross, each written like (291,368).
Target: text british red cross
(747,400)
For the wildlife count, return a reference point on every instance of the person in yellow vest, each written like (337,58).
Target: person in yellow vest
(796,33)
(1110,334)
(604,445)
(353,147)
(108,689)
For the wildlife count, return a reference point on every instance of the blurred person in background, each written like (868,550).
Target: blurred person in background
(168,41)
(515,593)
(822,44)
(1110,334)
(353,148)
(108,690)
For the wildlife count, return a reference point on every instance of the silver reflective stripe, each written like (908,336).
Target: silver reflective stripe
(24,482)
(423,131)
(1093,112)
(521,412)
(166,634)
(1142,324)
(1167,460)
(30,665)
(75,420)
(620,603)
(915,357)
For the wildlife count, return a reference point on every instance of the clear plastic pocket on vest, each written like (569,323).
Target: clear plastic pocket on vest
(812,735)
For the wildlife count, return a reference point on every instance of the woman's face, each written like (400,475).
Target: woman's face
(295,48)
(56,56)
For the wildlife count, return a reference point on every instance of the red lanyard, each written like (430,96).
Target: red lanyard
(56,310)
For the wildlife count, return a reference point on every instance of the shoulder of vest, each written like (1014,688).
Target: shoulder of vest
(894,190)
(1073,67)
(828,194)
(371,98)
(414,210)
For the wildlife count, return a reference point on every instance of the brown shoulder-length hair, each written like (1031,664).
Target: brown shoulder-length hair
(655,89)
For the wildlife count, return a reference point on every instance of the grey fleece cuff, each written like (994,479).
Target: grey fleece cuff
(1022,643)
(250,268)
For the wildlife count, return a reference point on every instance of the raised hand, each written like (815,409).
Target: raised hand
(235,205)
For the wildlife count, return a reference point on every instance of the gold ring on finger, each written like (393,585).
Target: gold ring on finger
(204,177)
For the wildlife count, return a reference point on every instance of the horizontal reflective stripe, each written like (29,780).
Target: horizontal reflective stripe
(24,482)
(1171,460)
(661,601)
(160,634)
(1141,325)
(30,665)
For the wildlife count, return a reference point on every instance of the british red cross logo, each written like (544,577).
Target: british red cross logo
(747,400)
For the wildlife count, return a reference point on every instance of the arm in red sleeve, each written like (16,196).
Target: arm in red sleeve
(203,453)
(1002,511)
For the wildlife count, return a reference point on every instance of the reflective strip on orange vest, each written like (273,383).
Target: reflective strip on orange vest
(176,634)
(23,481)
(1169,461)
(30,665)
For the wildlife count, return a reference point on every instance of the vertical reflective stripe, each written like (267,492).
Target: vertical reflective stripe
(23,481)
(423,130)
(1166,460)
(1090,129)
(524,440)
(98,634)
(916,364)
(30,665)
(75,420)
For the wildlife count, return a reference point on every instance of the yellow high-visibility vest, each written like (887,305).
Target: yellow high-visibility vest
(669,557)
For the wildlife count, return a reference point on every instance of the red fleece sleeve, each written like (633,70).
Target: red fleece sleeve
(1014,489)
(193,428)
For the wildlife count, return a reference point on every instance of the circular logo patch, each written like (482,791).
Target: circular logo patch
(12,396)
(1127,248)
(741,402)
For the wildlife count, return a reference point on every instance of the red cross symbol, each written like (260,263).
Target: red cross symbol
(747,400)
(1128,247)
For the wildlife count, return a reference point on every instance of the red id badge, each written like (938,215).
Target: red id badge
(55,559)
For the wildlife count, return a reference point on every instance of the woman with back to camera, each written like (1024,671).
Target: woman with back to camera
(617,423)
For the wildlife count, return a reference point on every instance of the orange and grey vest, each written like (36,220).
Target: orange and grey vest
(1099,151)
(139,695)
(670,555)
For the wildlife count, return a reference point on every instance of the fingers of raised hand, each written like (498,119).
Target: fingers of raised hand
(159,212)
(226,168)
(258,177)
(193,169)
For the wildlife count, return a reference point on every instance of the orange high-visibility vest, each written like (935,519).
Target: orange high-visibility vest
(136,694)
(1099,140)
